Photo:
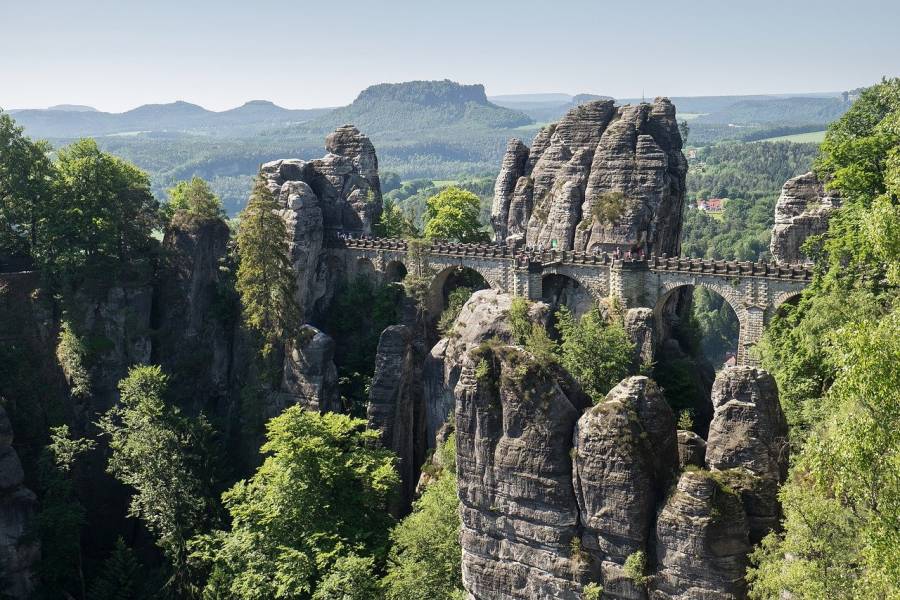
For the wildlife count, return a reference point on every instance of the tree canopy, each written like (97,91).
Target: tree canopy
(322,492)
(452,214)
(194,197)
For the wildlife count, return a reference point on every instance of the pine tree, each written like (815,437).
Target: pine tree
(265,279)
(121,576)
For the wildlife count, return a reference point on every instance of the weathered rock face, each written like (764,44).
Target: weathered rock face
(802,210)
(748,434)
(309,377)
(603,177)
(482,318)
(639,325)
(339,192)
(514,421)
(701,542)
(691,449)
(194,346)
(395,405)
(18,552)
(624,458)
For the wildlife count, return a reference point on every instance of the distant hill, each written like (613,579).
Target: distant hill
(544,107)
(64,122)
(73,108)
(421,106)
(777,111)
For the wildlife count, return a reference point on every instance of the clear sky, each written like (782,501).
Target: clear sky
(117,54)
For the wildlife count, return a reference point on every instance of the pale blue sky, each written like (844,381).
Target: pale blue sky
(116,54)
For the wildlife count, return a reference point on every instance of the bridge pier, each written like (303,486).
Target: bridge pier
(750,334)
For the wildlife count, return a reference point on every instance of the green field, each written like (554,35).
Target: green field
(687,116)
(799,138)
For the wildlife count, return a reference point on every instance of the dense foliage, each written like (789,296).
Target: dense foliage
(453,214)
(425,558)
(194,197)
(166,458)
(321,494)
(835,357)
(265,278)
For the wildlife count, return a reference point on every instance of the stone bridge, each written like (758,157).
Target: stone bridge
(753,290)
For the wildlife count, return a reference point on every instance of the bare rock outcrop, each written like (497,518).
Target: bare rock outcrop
(194,346)
(514,421)
(309,377)
(640,327)
(339,192)
(18,551)
(748,437)
(623,460)
(482,318)
(395,405)
(691,449)
(802,210)
(701,542)
(604,177)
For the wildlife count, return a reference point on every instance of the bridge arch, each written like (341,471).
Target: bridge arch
(730,296)
(364,267)
(394,271)
(783,297)
(450,278)
(562,289)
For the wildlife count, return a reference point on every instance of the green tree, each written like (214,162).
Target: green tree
(121,577)
(394,223)
(834,356)
(61,517)
(597,353)
(453,214)
(194,197)
(102,213)
(322,492)
(265,280)
(425,558)
(351,578)
(25,188)
(842,503)
(165,457)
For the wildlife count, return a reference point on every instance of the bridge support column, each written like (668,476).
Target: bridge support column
(751,333)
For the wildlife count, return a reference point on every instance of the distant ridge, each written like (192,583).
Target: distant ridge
(421,105)
(179,116)
(73,108)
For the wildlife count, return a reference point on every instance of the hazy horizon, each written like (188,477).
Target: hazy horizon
(114,56)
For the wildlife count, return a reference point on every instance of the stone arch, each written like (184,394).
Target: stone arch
(436,299)
(394,271)
(784,297)
(363,267)
(562,289)
(731,296)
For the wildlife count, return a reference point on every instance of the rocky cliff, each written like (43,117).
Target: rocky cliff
(18,550)
(802,210)
(603,177)
(339,192)
(556,494)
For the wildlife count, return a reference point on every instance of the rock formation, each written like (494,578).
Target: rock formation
(556,494)
(482,318)
(802,210)
(639,325)
(18,552)
(309,377)
(194,346)
(395,405)
(624,458)
(701,542)
(514,421)
(339,192)
(604,177)
(748,435)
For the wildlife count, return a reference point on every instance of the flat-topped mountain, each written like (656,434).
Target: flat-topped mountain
(414,105)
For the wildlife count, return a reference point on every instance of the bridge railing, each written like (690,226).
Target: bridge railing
(524,256)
